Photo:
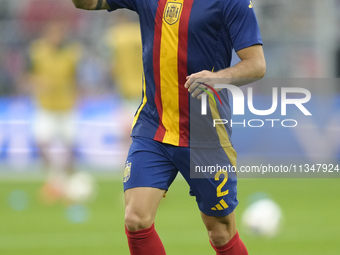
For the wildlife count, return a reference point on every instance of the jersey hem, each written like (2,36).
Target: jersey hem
(248,44)
(210,145)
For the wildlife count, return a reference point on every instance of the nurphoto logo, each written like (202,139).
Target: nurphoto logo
(239,104)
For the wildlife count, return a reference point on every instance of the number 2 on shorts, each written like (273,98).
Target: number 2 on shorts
(221,193)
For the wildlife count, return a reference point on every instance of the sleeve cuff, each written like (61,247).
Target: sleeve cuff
(247,44)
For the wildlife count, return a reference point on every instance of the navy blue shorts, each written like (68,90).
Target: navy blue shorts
(155,164)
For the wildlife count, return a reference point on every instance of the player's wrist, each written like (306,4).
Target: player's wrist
(225,73)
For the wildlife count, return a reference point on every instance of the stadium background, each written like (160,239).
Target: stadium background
(302,40)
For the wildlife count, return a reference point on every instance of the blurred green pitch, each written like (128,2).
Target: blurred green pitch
(311,210)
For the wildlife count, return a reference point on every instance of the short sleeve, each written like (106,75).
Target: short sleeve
(121,4)
(241,23)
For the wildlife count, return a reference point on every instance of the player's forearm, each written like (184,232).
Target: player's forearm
(247,70)
(91,4)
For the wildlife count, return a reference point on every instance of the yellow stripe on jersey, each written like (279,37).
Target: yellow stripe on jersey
(145,99)
(223,135)
(169,71)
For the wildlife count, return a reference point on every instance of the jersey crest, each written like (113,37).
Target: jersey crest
(251,4)
(172,12)
(127,172)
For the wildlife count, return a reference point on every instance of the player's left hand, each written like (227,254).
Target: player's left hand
(197,81)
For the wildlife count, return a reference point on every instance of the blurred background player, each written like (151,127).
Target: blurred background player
(53,65)
(124,40)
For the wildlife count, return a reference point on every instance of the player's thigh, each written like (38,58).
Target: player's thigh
(147,165)
(147,176)
(141,206)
